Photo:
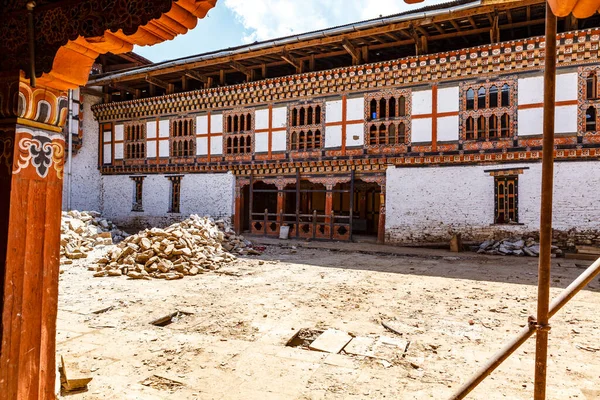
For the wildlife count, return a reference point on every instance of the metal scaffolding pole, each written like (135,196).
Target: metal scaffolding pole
(541,347)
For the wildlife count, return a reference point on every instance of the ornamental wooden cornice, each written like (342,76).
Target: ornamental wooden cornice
(574,48)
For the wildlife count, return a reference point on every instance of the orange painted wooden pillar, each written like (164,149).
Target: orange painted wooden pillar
(31,172)
(238,212)
(280,207)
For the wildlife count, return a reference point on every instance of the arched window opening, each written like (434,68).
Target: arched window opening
(236,145)
(481,127)
(309,140)
(392,134)
(401,133)
(295,117)
(302,141)
(229,149)
(373,109)
(248,122)
(493,97)
(373,135)
(591,86)
(481,98)
(382,108)
(402,106)
(302,116)
(470,129)
(317,138)
(505,95)
(590,119)
(317,114)
(242,122)
(229,122)
(470,99)
(309,116)
(382,134)
(392,107)
(493,121)
(505,126)
(235,123)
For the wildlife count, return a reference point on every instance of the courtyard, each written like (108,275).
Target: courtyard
(227,338)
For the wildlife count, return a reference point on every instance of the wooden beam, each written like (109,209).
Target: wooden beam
(222,77)
(196,75)
(157,82)
(92,92)
(137,93)
(209,83)
(472,21)
(422,31)
(293,61)
(365,53)
(118,67)
(439,28)
(263,69)
(243,69)
(184,83)
(311,62)
(353,51)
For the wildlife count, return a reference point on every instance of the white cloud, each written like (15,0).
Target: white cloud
(269,19)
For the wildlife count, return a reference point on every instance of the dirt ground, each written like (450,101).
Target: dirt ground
(455,311)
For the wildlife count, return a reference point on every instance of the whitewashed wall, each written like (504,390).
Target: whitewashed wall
(431,204)
(85,180)
(202,194)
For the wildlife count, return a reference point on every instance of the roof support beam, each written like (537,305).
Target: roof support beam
(495,31)
(293,61)
(137,93)
(157,82)
(195,75)
(353,51)
(243,69)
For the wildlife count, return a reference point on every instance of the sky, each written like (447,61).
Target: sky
(236,22)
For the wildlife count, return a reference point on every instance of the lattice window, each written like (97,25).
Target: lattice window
(306,127)
(135,141)
(239,132)
(488,110)
(590,100)
(388,118)
(175,193)
(183,138)
(506,199)
(138,191)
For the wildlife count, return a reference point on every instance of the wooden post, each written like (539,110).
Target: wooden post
(381,222)
(280,206)
(237,217)
(30,212)
(329,205)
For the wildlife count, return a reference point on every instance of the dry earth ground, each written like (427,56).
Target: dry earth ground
(455,311)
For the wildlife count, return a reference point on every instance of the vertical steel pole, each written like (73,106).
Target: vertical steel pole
(541,351)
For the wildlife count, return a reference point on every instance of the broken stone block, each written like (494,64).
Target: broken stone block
(331,341)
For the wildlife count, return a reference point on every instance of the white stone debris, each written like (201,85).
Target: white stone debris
(186,248)
(82,231)
(515,246)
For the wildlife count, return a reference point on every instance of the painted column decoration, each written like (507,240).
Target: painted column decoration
(32,149)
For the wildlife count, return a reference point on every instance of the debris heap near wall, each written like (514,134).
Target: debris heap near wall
(82,231)
(186,248)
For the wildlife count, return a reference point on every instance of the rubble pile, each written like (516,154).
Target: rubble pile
(515,247)
(185,248)
(82,231)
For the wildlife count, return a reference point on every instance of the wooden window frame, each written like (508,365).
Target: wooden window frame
(306,127)
(506,204)
(106,127)
(480,122)
(135,145)
(138,194)
(182,138)
(586,103)
(175,194)
(378,118)
(234,132)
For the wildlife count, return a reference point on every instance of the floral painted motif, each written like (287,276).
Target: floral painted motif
(42,153)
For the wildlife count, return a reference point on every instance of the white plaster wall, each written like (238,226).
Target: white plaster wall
(433,203)
(261,119)
(163,128)
(333,136)
(202,194)
(448,99)
(421,130)
(566,86)
(421,102)
(85,178)
(355,109)
(333,111)
(202,125)
(202,146)
(216,145)
(565,118)
(531,120)
(279,141)
(355,135)
(216,123)
(119,132)
(279,117)
(530,90)
(261,142)
(447,128)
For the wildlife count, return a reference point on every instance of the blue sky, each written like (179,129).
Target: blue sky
(236,22)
